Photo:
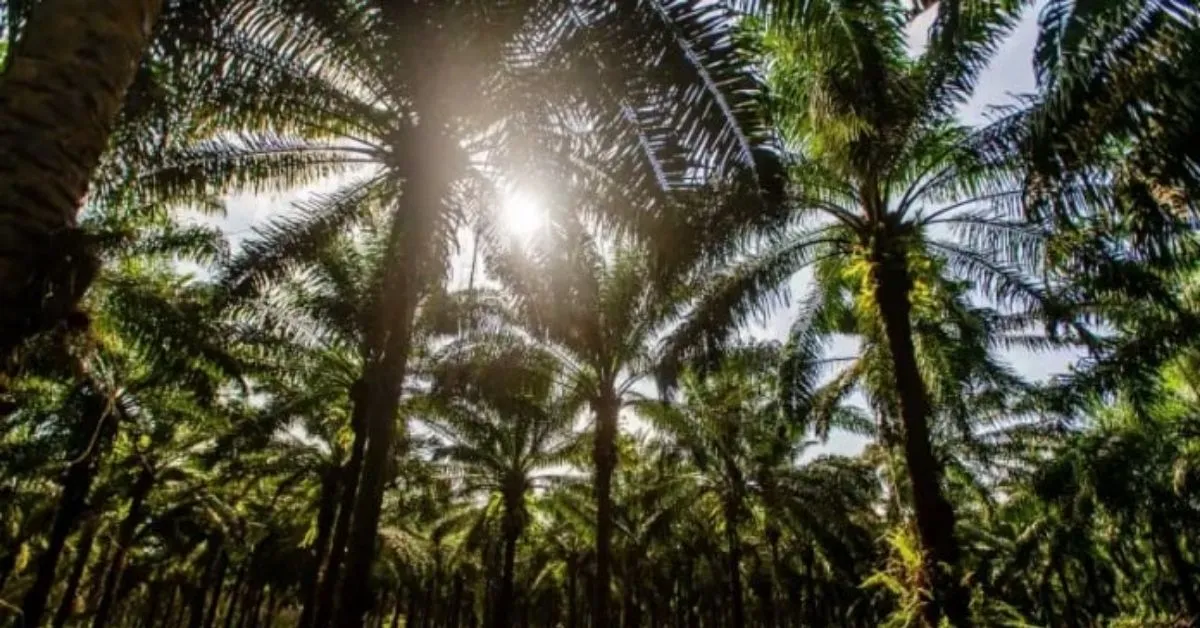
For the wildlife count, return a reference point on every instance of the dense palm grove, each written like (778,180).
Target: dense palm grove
(384,406)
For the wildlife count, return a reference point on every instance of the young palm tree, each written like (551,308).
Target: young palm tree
(885,177)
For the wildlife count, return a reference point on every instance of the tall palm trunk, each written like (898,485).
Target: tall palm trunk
(330,481)
(604,457)
(327,586)
(934,514)
(572,607)
(212,562)
(91,440)
(218,589)
(116,567)
(83,552)
(407,268)
(59,100)
(737,608)
(502,617)
(382,403)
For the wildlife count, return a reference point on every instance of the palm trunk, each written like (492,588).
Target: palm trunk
(235,595)
(502,616)
(212,558)
(325,519)
(59,100)
(572,607)
(737,608)
(82,552)
(934,514)
(389,341)
(1179,565)
(382,403)
(116,567)
(327,586)
(91,441)
(153,604)
(632,612)
(398,608)
(218,588)
(604,457)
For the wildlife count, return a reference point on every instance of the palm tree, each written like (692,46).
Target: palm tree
(78,69)
(49,164)
(1130,239)
(731,425)
(499,443)
(151,331)
(316,88)
(596,316)
(883,176)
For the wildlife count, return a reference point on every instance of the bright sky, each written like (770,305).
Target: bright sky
(1010,73)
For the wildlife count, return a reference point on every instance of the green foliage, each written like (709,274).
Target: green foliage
(195,438)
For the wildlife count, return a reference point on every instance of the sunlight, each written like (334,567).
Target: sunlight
(522,213)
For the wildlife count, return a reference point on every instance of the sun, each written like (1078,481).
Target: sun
(522,213)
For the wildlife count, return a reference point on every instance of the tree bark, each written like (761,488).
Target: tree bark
(235,595)
(737,608)
(153,603)
(502,617)
(200,595)
(934,514)
(389,342)
(59,100)
(350,475)
(572,607)
(330,483)
(218,586)
(398,608)
(116,567)
(604,458)
(83,551)
(91,441)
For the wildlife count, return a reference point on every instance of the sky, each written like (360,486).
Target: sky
(1009,73)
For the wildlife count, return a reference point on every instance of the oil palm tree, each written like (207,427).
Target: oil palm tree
(316,88)
(99,69)
(500,444)
(744,449)
(884,176)
(1132,242)
(596,315)
(151,331)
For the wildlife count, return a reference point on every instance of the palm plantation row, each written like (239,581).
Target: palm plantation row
(385,408)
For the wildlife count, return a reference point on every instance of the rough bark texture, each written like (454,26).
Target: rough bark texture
(212,559)
(934,514)
(604,457)
(59,100)
(214,606)
(1179,565)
